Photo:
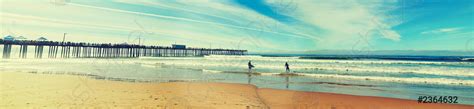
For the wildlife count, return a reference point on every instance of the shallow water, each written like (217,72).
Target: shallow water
(386,78)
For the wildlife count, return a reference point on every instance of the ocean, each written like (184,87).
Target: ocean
(394,76)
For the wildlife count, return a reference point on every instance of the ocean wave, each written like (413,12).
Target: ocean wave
(391,57)
(249,57)
(467,59)
(412,80)
(451,71)
(396,79)
(466,70)
(385,66)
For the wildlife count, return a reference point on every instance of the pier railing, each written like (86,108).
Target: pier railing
(54,49)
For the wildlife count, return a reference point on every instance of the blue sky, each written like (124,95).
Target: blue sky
(256,25)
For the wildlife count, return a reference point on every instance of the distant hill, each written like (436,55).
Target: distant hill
(378,52)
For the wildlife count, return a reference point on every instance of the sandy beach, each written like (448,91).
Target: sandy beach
(30,90)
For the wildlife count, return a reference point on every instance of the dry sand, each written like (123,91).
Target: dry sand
(27,90)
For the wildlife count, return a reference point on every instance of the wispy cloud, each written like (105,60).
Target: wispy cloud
(345,22)
(272,25)
(441,30)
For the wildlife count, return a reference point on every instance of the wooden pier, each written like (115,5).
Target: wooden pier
(95,50)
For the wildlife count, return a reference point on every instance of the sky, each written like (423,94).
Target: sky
(254,25)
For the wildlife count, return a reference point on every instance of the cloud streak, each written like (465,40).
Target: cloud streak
(441,30)
(313,24)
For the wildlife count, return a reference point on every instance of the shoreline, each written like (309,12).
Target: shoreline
(20,89)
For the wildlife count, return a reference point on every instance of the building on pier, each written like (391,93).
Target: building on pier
(42,39)
(54,49)
(9,38)
(176,46)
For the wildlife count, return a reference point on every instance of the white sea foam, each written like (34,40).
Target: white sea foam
(351,67)
(273,65)
(211,71)
(468,59)
(276,63)
(267,74)
(396,79)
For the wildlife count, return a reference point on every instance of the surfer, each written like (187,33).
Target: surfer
(287,66)
(250,66)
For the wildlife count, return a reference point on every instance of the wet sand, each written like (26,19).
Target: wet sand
(27,90)
(286,99)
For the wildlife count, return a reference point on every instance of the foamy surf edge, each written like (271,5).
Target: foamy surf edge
(393,79)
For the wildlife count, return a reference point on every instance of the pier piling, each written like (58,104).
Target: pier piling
(94,50)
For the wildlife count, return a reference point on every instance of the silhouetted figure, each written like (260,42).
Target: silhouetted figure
(250,66)
(287,66)
(250,71)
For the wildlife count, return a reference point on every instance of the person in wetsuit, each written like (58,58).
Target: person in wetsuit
(287,66)
(250,71)
(250,66)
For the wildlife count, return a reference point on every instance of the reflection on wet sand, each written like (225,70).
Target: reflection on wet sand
(37,90)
